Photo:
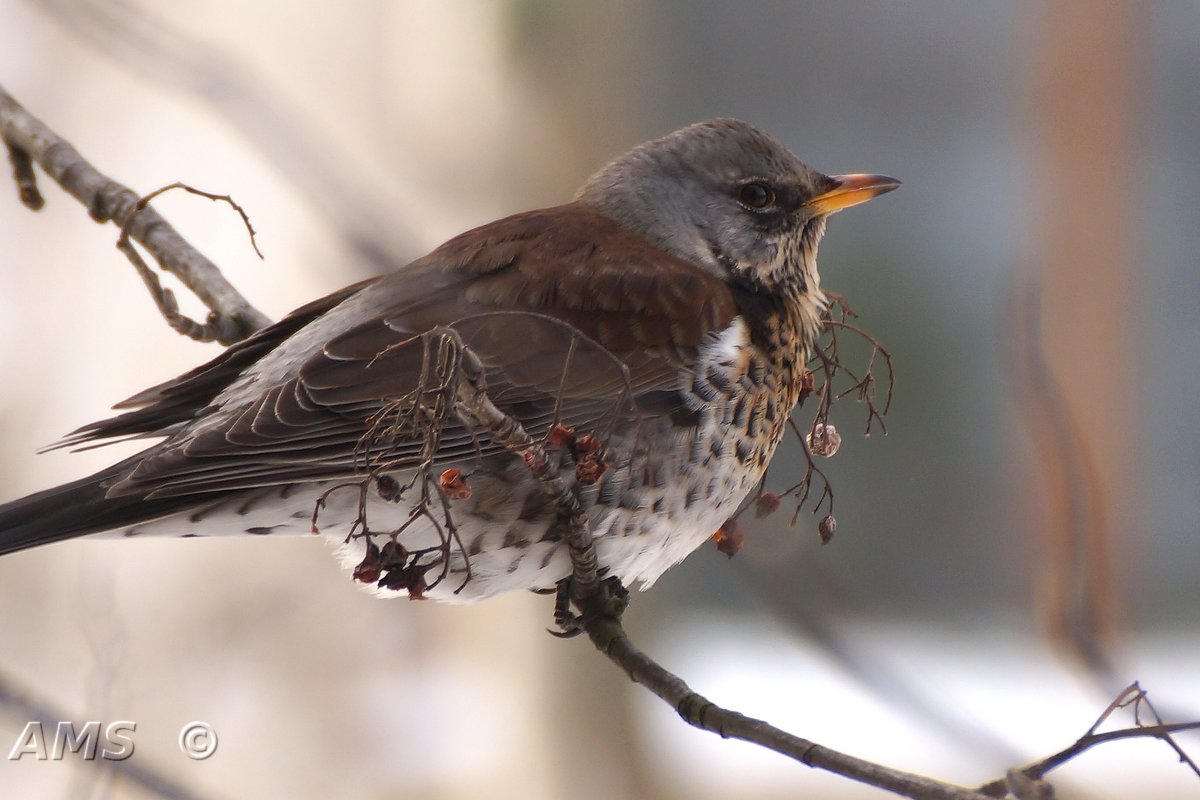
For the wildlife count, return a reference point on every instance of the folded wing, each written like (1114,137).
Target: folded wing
(574,319)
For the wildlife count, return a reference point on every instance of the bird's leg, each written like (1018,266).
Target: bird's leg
(569,625)
(596,598)
(611,602)
(616,596)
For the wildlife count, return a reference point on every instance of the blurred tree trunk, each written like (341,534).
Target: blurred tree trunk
(1081,76)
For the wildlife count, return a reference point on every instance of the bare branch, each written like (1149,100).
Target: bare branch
(1133,695)
(610,638)
(27,138)
(828,359)
(164,298)
(23,174)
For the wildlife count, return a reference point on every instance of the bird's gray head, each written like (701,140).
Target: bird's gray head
(729,198)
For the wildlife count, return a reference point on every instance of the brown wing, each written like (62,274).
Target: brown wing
(573,317)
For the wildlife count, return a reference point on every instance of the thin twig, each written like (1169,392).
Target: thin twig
(216,198)
(108,200)
(1084,743)
(163,297)
(1132,695)
(22,167)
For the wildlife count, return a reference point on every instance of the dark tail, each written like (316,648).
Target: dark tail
(73,509)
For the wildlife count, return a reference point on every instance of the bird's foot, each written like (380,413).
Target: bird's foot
(612,601)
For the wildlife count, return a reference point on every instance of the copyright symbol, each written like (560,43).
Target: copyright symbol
(198,740)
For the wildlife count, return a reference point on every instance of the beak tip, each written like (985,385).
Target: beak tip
(862,181)
(850,190)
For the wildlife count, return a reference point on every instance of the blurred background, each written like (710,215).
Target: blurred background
(1021,545)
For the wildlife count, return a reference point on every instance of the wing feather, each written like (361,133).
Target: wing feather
(573,317)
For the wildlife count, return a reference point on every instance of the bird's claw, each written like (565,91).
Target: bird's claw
(612,603)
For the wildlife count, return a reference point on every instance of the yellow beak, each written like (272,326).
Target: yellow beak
(850,190)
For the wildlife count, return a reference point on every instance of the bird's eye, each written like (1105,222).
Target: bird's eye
(756,195)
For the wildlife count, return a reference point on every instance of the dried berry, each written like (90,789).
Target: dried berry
(729,537)
(560,435)
(589,469)
(827,528)
(392,555)
(368,569)
(534,459)
(387,487)
(454,486)
(409,579)
(586,445)
(807,385)
(416,584)
(823,440)
(766,505)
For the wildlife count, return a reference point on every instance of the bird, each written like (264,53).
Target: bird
(651,335)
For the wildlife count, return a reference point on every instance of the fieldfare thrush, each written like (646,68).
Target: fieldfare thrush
(653,333)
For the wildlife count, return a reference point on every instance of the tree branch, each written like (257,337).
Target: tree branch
(1132,695)
(28,139)
(608,635)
